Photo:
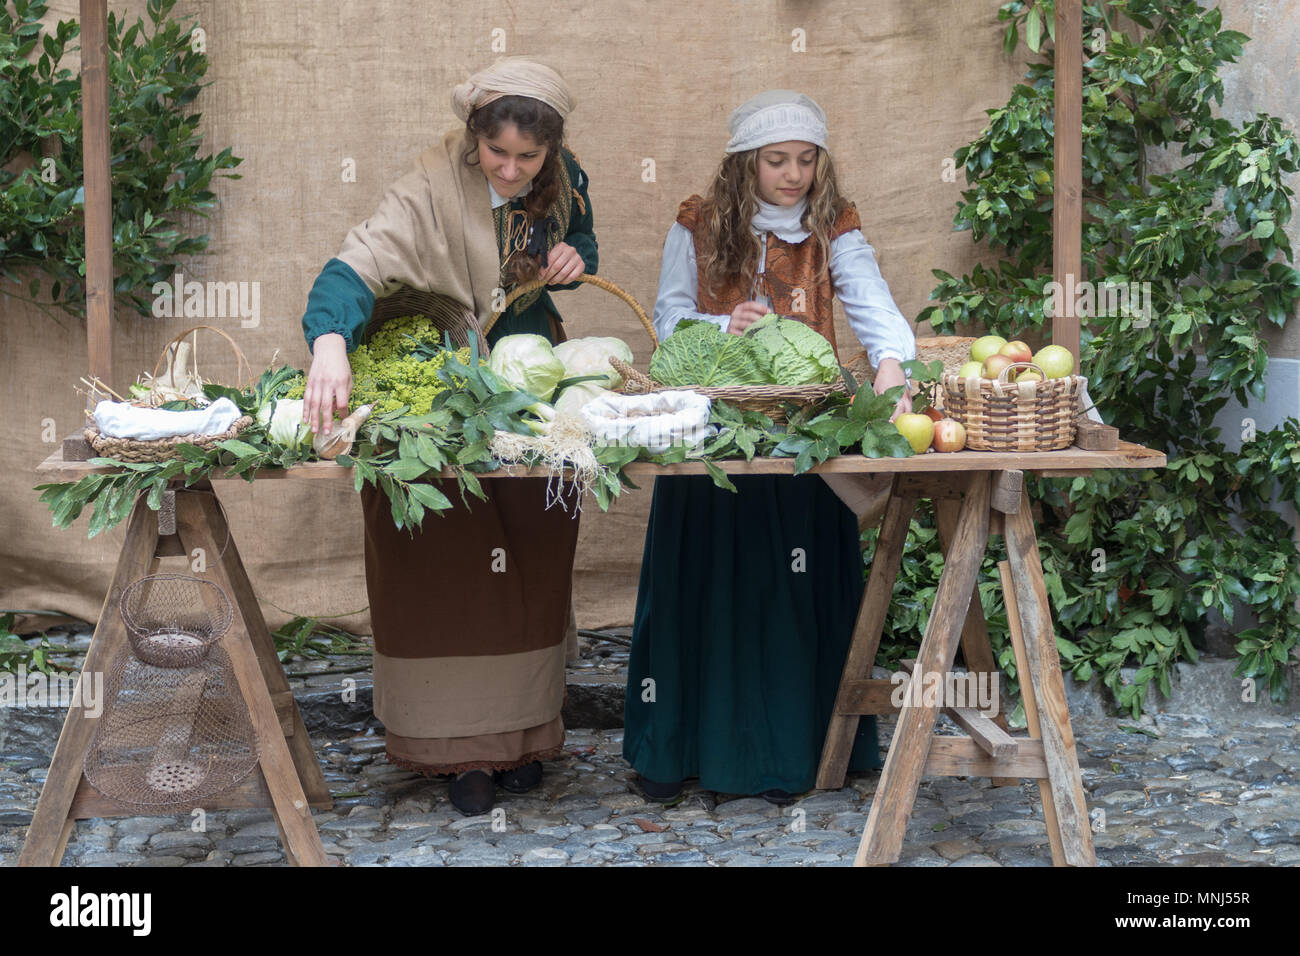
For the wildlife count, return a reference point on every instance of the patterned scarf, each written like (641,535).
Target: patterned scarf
(517,234)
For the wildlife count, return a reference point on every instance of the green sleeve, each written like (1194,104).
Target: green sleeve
(340,302)
(582,229)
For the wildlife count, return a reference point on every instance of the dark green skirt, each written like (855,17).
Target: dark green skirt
(744,616)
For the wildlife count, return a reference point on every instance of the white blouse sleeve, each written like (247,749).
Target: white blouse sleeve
(679,285)
(874,318)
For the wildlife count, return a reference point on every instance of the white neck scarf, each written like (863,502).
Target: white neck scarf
(499,200)
(784,222)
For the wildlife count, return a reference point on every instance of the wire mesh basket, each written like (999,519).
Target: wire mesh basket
(171,737)
(173,619)
(175,728)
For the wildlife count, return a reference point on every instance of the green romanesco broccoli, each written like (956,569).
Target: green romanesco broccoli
(385,373)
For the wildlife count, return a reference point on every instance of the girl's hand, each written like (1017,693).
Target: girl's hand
(745,315)
(329,383)
(888,375)
(563,264)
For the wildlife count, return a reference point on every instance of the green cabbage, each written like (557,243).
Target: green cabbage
(527,363)
(591,355)
(700,353)
(574,397)
(792,353)
(284,424)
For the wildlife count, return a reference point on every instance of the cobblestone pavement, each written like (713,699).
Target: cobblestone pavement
(1194,795)
(1164,790)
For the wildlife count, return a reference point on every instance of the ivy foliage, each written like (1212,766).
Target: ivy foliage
(160,179)
(1146,555)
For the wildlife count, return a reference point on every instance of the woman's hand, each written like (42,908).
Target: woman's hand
(888,375)
(745,315)
(563,264)
(329,383)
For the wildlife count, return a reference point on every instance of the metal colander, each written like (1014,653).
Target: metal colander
(175,729)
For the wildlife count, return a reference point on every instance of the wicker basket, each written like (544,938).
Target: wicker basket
(952,350)
(162,449)
(448,315)
(444,312)
(769,400)
(158,449)
(1008,416)
(596,281)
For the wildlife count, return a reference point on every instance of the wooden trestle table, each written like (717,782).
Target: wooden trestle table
(975,494)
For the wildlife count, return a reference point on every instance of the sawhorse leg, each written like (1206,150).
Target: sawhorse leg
(856,684)
(288,778)
(891,807)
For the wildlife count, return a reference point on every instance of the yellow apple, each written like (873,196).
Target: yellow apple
(982,348)
(1029,375)
(1055,361)
(975,369)
(917,429)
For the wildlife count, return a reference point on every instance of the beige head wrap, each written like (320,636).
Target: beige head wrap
(512,76)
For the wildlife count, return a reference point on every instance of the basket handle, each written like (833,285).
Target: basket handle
(1002,379)
(598,282)
(241,362)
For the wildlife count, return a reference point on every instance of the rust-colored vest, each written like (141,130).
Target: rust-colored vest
(788,267)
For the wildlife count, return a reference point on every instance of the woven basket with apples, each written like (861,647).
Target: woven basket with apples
(1008,399)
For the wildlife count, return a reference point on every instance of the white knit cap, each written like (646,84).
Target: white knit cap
(776,116)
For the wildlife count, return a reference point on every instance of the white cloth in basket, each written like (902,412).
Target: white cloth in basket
(124,420)
(656,422)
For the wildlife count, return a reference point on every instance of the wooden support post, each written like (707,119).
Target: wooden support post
(76,448)
(866,639)
(47,836)
(1094,436)
(1031,713)
(991,738)
(98,188)
(976,648)
(1067,156)
(892,806)
(1043,674)
(1007,486)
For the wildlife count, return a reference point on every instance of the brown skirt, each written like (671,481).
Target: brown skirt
(469,618)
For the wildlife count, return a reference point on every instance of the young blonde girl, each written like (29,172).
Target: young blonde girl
(747,600)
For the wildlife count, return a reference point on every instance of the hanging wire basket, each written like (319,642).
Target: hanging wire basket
(172,620)
(170,737)
(175,728)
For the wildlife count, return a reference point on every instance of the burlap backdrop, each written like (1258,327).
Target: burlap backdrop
(300,89)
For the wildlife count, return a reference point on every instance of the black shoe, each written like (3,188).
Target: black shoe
(473,793)
(779,798)
(521,779)
(659,792)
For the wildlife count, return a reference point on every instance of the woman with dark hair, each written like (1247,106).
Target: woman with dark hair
(470,613)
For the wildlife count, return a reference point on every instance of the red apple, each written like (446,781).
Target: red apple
(949,435)
(1016,351)
(994,365)
(934,413)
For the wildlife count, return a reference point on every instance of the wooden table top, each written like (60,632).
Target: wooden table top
(1067,461)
